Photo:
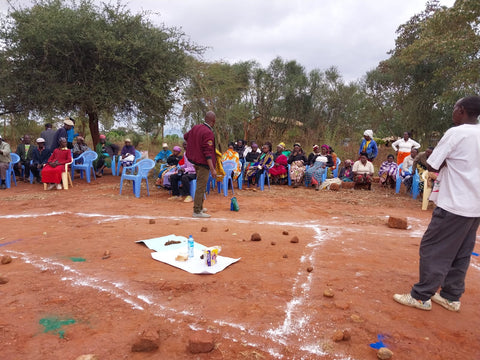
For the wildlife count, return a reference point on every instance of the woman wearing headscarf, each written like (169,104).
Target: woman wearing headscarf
(265,161)
(278,173)
(388,172)
(53,169)
(172,162)
(318,162)
(233,155)
(368,146)
(298,162)
(346,172)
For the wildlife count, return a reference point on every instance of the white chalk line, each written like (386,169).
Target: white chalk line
(292,324)
(81,280)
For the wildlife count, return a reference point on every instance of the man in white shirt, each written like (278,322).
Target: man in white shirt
(447,245)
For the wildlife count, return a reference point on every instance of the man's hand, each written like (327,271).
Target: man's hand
(213,172)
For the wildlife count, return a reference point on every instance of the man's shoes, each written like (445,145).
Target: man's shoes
(189,199)
(175,198)
(447,304)
(204,210)
(39,180)
(408,300)
(3,186)
(51,187)
(59,187)
(201,215)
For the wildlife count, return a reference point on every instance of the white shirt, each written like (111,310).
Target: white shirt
(407,162)
(361,169)
(405,146)
(459,191)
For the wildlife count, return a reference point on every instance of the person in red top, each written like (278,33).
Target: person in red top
(52,172)
(201,153)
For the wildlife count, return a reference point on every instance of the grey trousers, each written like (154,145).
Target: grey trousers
(445,252)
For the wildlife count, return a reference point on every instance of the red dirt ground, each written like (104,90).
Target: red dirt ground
(266,306)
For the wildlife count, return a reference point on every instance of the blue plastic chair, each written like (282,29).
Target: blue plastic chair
(398,181)
(289,180)
(334,172)
(265,175)
(116,158)
(10,171)
(136,173)
(210,183)
(228,166)
(84,163)
(415,184)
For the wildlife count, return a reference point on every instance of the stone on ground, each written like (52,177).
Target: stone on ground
(201,342)
(397,222)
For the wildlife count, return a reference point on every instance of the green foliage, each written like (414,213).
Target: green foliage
(435,62)
(74,56)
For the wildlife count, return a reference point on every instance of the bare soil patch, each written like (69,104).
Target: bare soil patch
(62,299)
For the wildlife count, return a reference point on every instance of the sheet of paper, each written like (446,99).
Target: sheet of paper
(195,265)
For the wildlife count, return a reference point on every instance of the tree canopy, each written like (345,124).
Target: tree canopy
(59,56)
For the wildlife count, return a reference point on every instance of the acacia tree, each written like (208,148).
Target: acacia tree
(75,56)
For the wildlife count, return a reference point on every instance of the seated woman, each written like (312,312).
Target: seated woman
(80,147)
(314,174)
(127,155)
(265,161)
(105,151)
(278,173)
(388,172)
(172,162)
(363,171)
(297,161)
(346,172)
(53,169)
(184,173)
(313,155)
(252,156)
(231,154)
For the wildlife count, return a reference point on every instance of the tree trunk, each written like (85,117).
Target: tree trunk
(93,125)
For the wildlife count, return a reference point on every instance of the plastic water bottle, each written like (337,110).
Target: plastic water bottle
(190,246)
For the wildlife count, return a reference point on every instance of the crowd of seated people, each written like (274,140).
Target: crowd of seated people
(251,161)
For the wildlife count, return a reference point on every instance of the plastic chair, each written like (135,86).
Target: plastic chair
(116,158)
(265,175)
(289,180)
(66,179)
(136,173)
(84,163)
(210,183)
(415,184)
(334,172)
(427,190)
(398,181)
(228,166)
(10,171)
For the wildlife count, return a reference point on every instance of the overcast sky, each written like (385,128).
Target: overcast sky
(353,35)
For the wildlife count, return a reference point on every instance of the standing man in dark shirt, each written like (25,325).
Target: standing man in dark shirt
(61,133)
(201,153)
(48,135)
